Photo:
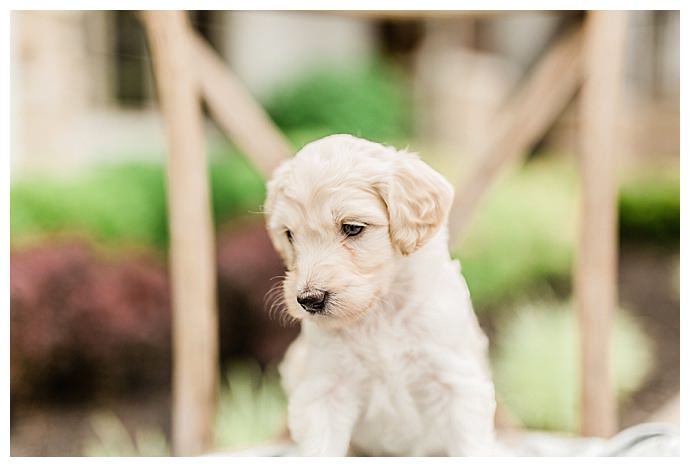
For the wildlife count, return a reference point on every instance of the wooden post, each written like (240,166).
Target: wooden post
(520,124)
(192,264)
(595,275)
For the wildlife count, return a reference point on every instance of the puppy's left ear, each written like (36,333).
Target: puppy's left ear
(418,200)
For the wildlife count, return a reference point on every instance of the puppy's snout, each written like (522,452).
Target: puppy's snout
(313,301)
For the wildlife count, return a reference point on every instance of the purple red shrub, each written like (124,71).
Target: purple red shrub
(78,318)
(248,266)
(84,322)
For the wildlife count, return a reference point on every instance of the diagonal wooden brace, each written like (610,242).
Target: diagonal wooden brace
(520,124)
(243,120)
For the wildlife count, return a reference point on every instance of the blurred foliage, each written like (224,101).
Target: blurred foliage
(83,322)
(89,323)
(252,410)
(649,208)
(124,204)
(523,234)
(372,102)
(110,203)
(237,188)
(536,366)
(111,439)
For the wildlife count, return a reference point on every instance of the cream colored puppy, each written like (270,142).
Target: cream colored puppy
(390,359)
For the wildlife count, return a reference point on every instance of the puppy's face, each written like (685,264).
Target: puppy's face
(342,213)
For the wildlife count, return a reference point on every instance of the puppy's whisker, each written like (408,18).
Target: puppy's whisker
(287,319)
(270,296)
(275,301)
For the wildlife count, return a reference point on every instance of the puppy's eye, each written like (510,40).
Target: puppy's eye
(352,230)
(288,234)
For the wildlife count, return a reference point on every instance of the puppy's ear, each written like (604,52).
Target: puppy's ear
(273,189)
(418,200)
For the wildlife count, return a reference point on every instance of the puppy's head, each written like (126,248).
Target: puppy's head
(342,213)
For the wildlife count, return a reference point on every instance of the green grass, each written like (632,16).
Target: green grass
(536,366)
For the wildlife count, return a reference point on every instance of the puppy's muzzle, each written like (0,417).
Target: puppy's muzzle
(313,301)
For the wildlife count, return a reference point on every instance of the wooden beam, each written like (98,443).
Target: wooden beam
(239,116)
(192,264)
(520,124)
(595,273)
(413,15)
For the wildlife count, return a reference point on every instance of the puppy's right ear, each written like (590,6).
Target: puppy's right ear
(418,200)
(274,188)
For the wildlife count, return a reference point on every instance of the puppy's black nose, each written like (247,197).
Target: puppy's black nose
(312,301)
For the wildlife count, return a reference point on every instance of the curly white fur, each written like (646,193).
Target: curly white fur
(396,362)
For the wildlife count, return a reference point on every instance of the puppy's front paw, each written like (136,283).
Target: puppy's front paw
(472,421)
(321,427)
(315,439)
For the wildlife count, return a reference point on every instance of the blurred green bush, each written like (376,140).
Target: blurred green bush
(112,204)
(649,208)
(536,367)
(372,102)
(523,234)
(124,204)
(252,407)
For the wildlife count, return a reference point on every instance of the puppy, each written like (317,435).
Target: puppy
(390,359)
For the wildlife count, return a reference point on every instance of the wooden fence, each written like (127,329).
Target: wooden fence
(188,71)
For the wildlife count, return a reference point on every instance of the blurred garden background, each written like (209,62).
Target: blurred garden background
(90,293)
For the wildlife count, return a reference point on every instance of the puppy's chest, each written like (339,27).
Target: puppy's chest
(393,375)
(395,407)
(386,353)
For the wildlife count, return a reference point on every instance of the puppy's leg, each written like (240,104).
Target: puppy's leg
(321,416)
(471,419)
